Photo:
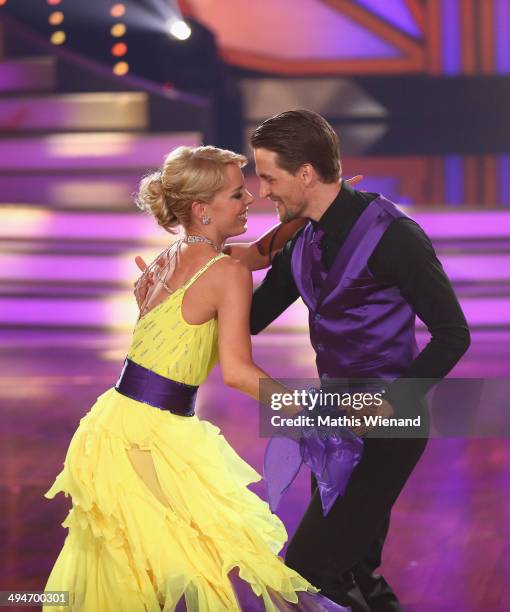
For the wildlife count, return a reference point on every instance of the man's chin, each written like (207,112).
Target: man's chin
(287,217)
(283,215)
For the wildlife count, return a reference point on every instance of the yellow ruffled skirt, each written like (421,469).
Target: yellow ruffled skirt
(129,549)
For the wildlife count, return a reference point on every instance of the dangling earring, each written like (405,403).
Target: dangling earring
(206,220)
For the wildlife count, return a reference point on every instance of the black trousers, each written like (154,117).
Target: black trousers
(340,552)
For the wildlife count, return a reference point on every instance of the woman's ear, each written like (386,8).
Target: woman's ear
(197,210)
(199,213)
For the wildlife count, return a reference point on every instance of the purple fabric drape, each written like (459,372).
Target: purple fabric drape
(331,458)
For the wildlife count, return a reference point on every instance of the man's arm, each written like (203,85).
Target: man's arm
(405,257)
(276,292)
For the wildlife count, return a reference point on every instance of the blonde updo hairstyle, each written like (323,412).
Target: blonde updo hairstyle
(188,174)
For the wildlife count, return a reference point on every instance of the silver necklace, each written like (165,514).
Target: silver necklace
(193,239)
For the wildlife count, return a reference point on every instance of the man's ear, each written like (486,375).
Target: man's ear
(307,173)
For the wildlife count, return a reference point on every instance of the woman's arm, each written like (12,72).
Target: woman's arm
(237,366)
(259,254)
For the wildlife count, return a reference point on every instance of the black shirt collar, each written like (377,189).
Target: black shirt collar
(344,209)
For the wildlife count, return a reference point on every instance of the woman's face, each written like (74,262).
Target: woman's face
(229,208)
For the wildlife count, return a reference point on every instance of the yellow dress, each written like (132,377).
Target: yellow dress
(161,514)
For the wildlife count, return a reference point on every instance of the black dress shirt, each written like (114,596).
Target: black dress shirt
(403,257)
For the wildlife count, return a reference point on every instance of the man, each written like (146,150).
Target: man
(364,270)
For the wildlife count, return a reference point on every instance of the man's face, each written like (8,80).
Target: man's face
(284,189)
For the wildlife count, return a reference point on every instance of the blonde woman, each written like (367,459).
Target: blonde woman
(161,514)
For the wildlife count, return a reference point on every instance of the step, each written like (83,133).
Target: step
(109,312)
(95,190)
(56,191)
(95,282)
(75,112)
(461,268)
(332,97)
(43,224)
(89,190)
(91,151)
(462,223)
(459,227)
(481,313)
(120,312)
(71,269)
(31,74)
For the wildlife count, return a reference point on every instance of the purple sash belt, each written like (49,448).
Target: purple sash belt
(146,386)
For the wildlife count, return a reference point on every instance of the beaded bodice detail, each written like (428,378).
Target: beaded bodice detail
(166,344)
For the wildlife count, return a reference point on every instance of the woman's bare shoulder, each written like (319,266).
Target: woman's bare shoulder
(229,271)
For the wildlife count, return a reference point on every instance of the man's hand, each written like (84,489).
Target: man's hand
(143,283)
(354,180)
(385,410)
(140,263)
(146,280)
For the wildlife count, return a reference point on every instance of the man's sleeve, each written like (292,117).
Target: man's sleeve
(276,292)
(405,257)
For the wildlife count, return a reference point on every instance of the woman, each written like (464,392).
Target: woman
(162,517)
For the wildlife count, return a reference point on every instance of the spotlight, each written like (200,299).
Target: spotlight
(56,18)
(58,37)
(54,2)
(178,29)
(118,10)
(3,2)
(117,30)
(121,68)
(119,49)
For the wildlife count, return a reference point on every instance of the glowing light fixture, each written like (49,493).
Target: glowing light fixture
(119,49)
(118,10)
(178,29)
(54,2)
(58,37)
(56,18)
(121,68)
(117,30)
(3,2)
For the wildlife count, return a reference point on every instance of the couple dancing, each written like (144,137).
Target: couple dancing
(162,517)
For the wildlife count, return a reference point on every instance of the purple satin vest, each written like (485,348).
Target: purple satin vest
(359,327)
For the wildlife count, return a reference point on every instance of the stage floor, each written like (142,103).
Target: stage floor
(448,547)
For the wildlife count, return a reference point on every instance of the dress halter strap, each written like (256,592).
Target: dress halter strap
(203,269)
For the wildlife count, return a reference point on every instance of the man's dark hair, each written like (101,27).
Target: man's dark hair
(300,137)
